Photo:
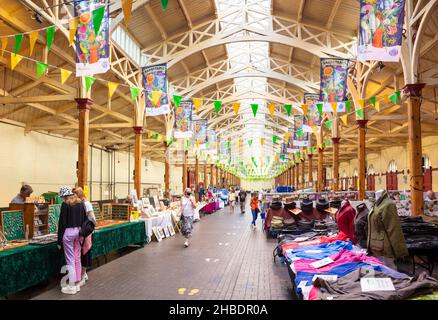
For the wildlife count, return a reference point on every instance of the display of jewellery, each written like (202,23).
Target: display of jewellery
(44,239)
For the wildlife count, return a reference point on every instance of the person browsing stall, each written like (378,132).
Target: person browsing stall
(25,191)
(188,205)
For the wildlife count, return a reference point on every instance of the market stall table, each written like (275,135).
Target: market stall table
(27,266)
(162,220)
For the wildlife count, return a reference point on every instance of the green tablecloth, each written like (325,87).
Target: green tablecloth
(27,266)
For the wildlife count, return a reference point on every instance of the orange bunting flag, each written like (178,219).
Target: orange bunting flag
(197,102)
(334,106)
(15,59)
(65,74)
(156,95)
(304,107)
(236,107)
(362,103)
(344,119)
(72,26)
(386,98)
(276,158)
(377,106)
(4,44)
(112,86)
(271,108)
(286,137)
(33,36)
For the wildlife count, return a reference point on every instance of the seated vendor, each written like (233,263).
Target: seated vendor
(430,195)
(25,191)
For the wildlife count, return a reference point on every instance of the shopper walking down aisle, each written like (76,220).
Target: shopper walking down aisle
(86,259)
(232,200)
(188,205)
(254,208)
(242,197)
(71,218)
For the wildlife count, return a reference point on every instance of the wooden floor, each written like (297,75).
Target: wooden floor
(227,259)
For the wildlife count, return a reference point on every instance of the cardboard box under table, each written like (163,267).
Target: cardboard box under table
(27,266)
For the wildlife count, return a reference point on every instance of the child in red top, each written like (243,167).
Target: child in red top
(254,208)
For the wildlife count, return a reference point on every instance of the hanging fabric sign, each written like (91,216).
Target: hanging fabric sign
(299,138)
(92,46)
(313,118)
(381,27)
(333,80)
(200,130)
(155,79)
(183,118)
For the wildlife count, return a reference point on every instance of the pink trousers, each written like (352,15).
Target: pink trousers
(72,252)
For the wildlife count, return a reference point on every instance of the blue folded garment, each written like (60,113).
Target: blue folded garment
(318,252)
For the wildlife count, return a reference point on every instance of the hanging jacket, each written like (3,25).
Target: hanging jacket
(345,220)
(385,236)
(361,225)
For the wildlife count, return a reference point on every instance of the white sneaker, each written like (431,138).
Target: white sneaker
(82,282)
(78,287)
(85,276)
(69,289)
(186,244)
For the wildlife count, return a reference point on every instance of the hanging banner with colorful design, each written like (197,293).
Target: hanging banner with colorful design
(381,29)
(200,130)
(212,140)
(183,119)
(300,138)
(155,80)
(92,46)
(334,74)
(313,118)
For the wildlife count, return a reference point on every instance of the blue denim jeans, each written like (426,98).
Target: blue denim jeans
(254,216)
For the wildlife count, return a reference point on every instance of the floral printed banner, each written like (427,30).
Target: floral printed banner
(334,74)
(313,118)
(381,27)
(155,80)
(200,130)
(183,118)
(92,50)
(300,139)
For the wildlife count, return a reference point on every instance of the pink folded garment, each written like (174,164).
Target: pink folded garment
(342,257)
(87,245)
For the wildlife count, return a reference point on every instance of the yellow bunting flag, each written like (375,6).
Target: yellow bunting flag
(271,108)
(15,59)
(334,106)
(197,102)
(262,141)
(4,44)
(386,98)
(236,107)
(197,143)
(304,107)
(377,106)
(127,9)
(72,26)
(344,119)
(276,158)
(362,103)
(315,130)
(112,86)
(305,151)
(286,137)
(156,95)
(33,36)
(65,74)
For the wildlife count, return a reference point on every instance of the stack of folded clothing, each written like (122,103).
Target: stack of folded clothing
(277,222)
(419,234)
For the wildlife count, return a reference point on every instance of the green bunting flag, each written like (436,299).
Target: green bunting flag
(50,33)
(97,19)
(176,100)
(134,92)
(348,105)
(312,149)
(398,94)
(18,39)
(217,105)
(41,68)
(250,142)
(373,100)
(319,105)
(254,108)
(300,133)
(359,113)
(89,82)
(393,98)
(164,4)
(170,141)
(274,139)
(288,108)
(228,144)
(329,124)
